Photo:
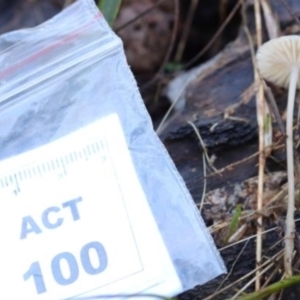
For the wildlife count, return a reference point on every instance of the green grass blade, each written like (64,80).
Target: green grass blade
(234,222)
(110,9)
(271,289)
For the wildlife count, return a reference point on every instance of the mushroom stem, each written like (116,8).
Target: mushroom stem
(290,222)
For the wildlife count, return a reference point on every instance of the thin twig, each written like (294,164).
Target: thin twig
(233,265)
(215,36)
(261,169)
(270,21)
(275,271)
(238,280)
(204,183)
(249,238)
(187,26)
(260,106)
(273,105)
(203,146)
(258,24)
(280,254)
(218,226)
(169,111)
(231,166)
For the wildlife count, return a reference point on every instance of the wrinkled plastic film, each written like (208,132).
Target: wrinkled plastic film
(71,71)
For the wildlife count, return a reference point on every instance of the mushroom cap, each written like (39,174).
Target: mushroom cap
(276,58)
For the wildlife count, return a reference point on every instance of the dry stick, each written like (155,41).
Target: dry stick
(231,166)
(249,238)
(273,105)
(238,233)
(252,280)
(202,145)
(258,25)
(216,35)
(261,168)
(167,114)
(170,48)
(204,183)
(260,105)
(220,225)
(271,24)
(278,197)
(233,265)
(186,30)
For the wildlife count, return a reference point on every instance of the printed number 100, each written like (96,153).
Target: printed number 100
(36,272)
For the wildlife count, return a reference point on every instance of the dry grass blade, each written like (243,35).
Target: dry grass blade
(203,146)
(168,113)
(240,279)
(186,30)
(273,106)
(271,264)
(216,35)
(260,104)
(204,183)
(234,222)
(233,265)
(231,166)
(271,22)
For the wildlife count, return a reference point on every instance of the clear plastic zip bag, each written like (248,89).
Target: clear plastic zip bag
(60,84)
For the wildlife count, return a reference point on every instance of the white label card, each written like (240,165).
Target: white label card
(74,222)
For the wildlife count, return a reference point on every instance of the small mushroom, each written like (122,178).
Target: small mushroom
(279,62)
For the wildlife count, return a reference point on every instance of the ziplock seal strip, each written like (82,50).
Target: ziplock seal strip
(103,49)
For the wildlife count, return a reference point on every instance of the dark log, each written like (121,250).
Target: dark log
(221,104)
